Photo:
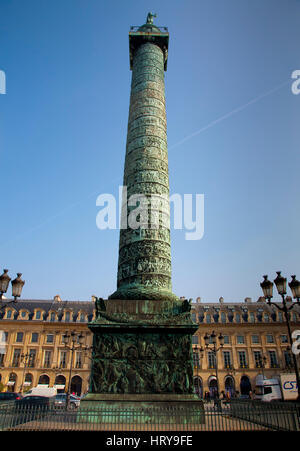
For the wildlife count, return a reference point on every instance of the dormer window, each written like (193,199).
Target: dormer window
(82,317)
(52,316)
(9,314)
(23,314)
(38,314)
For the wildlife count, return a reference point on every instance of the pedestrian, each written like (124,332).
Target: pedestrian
(228,396)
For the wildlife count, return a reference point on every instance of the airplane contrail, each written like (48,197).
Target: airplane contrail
(206,127)
(231,113)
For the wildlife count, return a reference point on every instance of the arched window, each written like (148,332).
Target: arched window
(60,383)
(76,385)
(245,385)
(229,386)
(44,379)
(28,380)
(213,387)
(12,382)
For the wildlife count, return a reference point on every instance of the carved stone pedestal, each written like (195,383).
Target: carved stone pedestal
(142,357)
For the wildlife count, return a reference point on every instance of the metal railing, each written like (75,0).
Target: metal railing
(237,415)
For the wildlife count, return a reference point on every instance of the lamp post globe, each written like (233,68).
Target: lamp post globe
(17,286)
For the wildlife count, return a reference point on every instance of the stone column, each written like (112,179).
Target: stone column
(144,269)
(142,351)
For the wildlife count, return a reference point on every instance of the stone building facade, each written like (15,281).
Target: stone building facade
(32,348)
(32,351)
(255,343)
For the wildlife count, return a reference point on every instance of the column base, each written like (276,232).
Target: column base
(156,409)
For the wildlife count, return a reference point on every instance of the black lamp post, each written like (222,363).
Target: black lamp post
(280,282)
(263,361)
(17,286)
(76,343)
(26,359)
(212,340)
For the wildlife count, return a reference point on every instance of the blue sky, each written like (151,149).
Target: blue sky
(233,135)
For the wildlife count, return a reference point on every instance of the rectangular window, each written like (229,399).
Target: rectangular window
(227,359)
(242,359)
(47,359)
(240,339)
(255,339)
(19,337)
(16,358)
(50,338)
(38,315)
(273,359)
(196,360)
(78,363)
(226,340)
(34,337)
(63,359)
(257,359)
(288,359)
(31,358)
(270,338)
(211,360)
(284,338)
(195,339)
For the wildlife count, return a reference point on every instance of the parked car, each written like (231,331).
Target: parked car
(42,390)
(42,402)
(10,396)
(31,408)
(61,401)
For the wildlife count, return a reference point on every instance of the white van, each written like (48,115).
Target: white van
(284,388)
(42,390)
(267,389)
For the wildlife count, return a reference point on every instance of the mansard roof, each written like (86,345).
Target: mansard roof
(51,305)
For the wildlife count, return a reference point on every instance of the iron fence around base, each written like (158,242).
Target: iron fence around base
(276,415)
(234,416)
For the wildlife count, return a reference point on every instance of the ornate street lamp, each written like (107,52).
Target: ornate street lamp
(17,286)
(295,288)
(25,358)
(76,344)
(4,282)
(280,283)
(212,339)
